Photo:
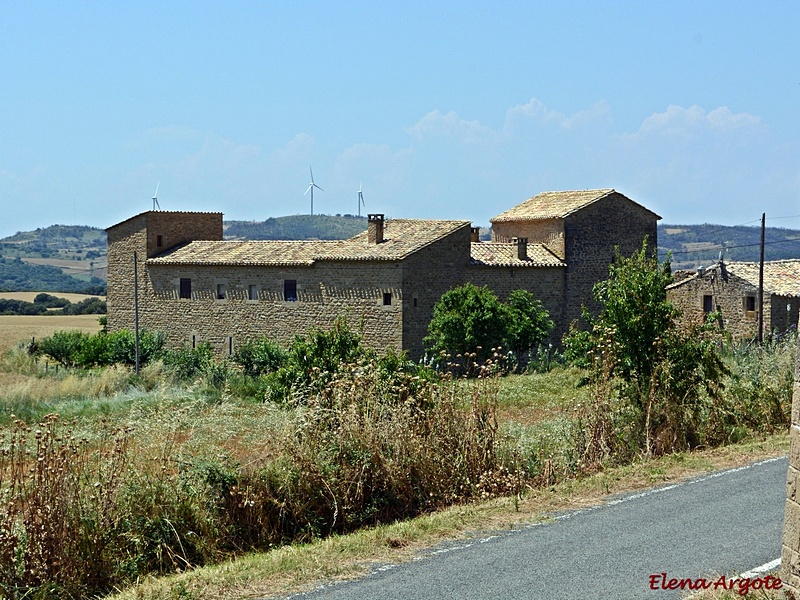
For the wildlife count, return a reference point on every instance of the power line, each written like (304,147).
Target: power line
(724,247)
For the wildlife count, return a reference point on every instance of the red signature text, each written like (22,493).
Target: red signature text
(740,585)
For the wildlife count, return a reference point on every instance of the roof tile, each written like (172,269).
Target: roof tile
(555,205)
(402,237)
(504,254)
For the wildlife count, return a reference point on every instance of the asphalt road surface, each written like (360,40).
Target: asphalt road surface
(723,523)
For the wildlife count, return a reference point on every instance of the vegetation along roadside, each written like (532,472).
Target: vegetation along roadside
(283,451)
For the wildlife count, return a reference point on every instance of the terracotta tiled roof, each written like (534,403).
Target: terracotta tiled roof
(781,277)
(553,205)
(279,253)
(402,237)
(501,254)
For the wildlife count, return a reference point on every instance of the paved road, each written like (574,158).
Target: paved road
(725,522)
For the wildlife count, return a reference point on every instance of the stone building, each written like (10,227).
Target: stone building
(731,289)
(196,287)
(790,547)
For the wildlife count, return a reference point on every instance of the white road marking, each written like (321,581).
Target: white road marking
(770,566)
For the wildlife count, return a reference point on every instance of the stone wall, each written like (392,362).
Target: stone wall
(729,295)
(790,552)
(591,236)
(545,283)
(325,291)
(549,232)
(141,235)
(427,275)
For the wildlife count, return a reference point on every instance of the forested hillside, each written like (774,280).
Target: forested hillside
(695,245)
(18,276)
(297,227)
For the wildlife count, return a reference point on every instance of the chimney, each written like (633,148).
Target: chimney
(475,236)
(522,247)
(375,229)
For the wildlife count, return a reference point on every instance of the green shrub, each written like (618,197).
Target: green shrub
(77,349)
(64,347)
(189,363)
(260,357)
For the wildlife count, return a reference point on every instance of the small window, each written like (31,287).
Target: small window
(185,290)
(415,303)
(221,291)
(387,298)
(159,240)
(290,290)
(194,341)
(750,303)
(252,292)
(708,304)
(230,345)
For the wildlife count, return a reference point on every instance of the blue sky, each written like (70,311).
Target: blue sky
(439,109)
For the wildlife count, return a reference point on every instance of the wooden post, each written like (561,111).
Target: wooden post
(761,284)
(136,308)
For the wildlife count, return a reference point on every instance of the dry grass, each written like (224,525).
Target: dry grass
(296,568)
(19,328)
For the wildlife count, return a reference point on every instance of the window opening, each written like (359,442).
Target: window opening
(185,288)
(252,292)
(290,290)
(159,240)
(708,304)
(750,303)
(387,298)
(221,291)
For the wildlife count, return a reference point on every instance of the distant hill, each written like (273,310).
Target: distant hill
(59,258)
(700,245)
(16,275)
(297,227)
(72,258)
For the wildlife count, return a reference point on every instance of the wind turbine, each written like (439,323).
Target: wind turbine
(155,198)
(360,200)
(311,187)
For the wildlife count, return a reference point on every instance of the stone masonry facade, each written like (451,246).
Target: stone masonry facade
(196,287)
(790,551)
(731,290)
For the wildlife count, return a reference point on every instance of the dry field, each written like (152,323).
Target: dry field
(71,267)
(16,328)
(29,296)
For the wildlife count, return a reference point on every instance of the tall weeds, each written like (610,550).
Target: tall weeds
(181,486)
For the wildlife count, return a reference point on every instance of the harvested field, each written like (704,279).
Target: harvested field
(29,296)
(16,328)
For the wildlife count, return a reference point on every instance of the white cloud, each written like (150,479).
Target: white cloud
(694,121)
(450,125)
(535,112)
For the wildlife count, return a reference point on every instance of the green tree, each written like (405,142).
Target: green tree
(470,319)
(668,378)
(467,319)
(529,323)
(635,308)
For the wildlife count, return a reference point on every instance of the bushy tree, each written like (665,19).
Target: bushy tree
(529,322)
(470,319)
(467,319)
(668,377)
(258,357)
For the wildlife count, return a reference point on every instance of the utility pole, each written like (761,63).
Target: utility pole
(761,283)
(136,308)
